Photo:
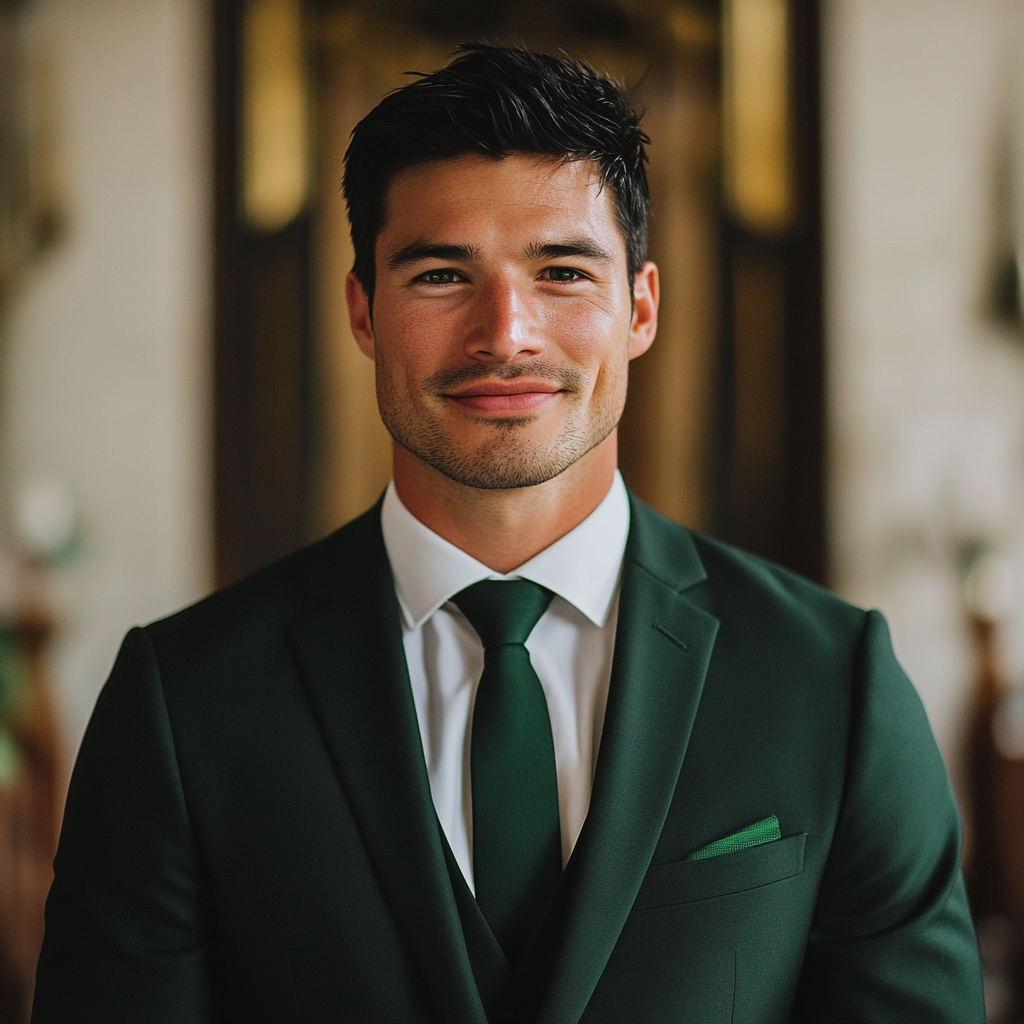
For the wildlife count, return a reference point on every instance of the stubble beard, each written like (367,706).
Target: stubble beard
(509,458)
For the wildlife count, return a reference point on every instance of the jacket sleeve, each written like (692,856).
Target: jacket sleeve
(892,938)
(123,935)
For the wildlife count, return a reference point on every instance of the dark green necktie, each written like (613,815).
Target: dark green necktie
(517,847)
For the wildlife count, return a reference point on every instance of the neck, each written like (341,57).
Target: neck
(505,528)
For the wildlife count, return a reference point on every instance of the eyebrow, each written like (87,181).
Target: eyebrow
(418,251)
(585,247)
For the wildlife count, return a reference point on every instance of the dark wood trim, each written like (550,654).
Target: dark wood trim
(225,103)
(770,498)
(262,343)
(805,483)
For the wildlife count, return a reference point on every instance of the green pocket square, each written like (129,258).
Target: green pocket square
(766,831)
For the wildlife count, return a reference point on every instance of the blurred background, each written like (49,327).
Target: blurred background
(838,381)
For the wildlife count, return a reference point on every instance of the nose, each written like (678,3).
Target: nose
(503,325)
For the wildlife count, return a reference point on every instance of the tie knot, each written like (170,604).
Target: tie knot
(503,611)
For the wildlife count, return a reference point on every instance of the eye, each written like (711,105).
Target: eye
(564,274)
(441,277)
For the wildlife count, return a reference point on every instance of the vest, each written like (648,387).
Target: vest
(511,993)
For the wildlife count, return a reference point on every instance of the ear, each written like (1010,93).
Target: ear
(646,293)
(359,315)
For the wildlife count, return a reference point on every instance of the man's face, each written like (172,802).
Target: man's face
(502,319)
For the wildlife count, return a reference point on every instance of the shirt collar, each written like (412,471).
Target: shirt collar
(582,567)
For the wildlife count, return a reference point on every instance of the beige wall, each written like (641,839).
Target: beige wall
(926,396)
(107,345)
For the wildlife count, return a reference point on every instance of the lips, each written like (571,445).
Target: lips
(505,396)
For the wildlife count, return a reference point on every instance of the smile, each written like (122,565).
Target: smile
(512,396)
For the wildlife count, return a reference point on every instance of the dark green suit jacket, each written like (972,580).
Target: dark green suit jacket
(249,833)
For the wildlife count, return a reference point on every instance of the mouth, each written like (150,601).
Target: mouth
(505,396)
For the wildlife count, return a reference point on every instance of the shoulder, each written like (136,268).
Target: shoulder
(752,597)
(258,610)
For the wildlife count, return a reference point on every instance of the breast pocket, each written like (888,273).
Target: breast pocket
(667,885)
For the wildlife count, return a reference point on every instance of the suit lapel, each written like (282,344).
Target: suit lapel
(354,665)
(662,650)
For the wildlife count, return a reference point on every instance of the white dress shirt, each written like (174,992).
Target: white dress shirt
(570,647)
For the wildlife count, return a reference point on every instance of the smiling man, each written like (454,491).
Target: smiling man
(503,319)
(510,746)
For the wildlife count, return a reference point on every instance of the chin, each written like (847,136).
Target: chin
(511,461)
(500,478)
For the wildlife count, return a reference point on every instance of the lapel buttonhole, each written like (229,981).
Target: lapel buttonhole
(682,644)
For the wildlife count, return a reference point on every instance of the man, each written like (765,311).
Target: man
(509,747)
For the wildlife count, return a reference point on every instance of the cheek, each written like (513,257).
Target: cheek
(594,339)
(588,326)
(406,345)
(613,381)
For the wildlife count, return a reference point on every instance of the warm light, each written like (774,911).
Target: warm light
(692,27)
(756,122)
(275,116)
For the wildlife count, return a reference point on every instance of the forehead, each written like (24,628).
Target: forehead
(519,194)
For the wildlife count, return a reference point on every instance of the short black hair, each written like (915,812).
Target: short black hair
(497,101)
